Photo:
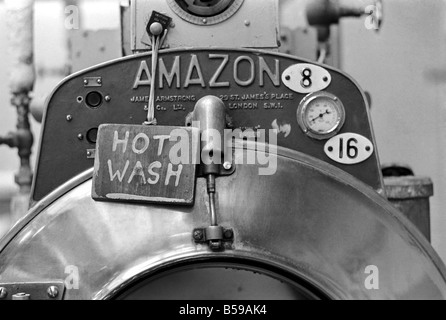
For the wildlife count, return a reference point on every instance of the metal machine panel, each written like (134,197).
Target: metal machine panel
(247,28)
(310,220)
(248,82)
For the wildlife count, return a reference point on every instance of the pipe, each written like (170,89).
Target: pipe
(19,21)
(326,12)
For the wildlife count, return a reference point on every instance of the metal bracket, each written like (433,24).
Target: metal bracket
(215,236)
(227,169)
(53,290)
(90,82)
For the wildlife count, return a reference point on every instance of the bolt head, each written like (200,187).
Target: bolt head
(227,166)
(53,292)
(3,293)
(229,234)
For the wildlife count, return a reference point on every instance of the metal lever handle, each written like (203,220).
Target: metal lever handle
(210,117)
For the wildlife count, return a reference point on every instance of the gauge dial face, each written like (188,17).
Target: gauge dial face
(205,12)
(204,8)
(321,115)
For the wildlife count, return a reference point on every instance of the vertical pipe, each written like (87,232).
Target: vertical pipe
(19,21)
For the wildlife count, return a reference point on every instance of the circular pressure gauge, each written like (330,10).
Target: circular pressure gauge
(321,115)
(205,12)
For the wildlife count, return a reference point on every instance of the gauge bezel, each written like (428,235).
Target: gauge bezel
(204,21)
(303,122)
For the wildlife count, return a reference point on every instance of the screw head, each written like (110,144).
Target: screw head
(227,166)
(198,235)
(53,292)
(69,117)
(3,292)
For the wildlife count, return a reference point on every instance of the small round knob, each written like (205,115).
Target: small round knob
(156,28)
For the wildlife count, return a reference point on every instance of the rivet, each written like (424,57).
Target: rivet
(3,292)
(205,21)
(80,136)
(69,118)
(85,81)
(172,24)
(227,166)
(288,78)
(107,98)
(53,292)
(99,81)
(247,23)
(89,153)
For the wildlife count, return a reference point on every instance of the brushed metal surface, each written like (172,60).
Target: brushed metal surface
(310,219)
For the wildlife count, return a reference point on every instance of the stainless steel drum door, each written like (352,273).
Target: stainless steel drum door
(310,225)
